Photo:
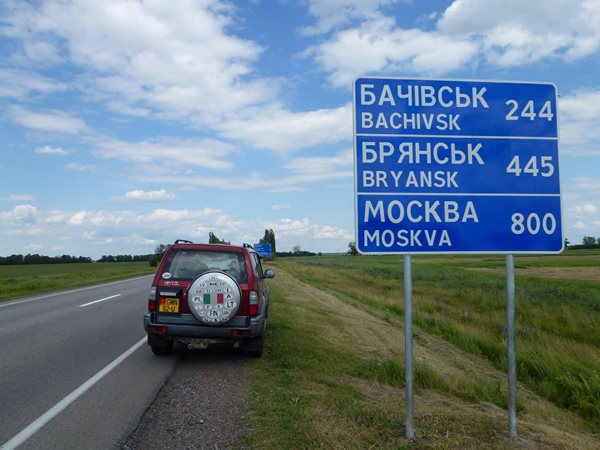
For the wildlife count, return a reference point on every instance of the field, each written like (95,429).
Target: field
(28,280)
(333,372)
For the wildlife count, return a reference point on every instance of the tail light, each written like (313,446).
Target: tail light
(253,303)
(241,333)
(152,299)
(158,329)
(185,307)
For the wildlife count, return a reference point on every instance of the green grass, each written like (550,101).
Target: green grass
(304,381)
(27,280)
(334,378)
(558,321)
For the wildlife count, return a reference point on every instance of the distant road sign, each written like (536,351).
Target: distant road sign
(263,250)
(456,166)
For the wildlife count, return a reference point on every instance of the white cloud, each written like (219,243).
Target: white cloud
(17,83)
(503,33)
(303,174)
(49,150)
(251,182)
(109,231)
(148,59)
(146,55)
(513,32)
(379,46)
(80,167)
(317,166)
(277,207)
(181,153)
(33,248)
(56,121)
(18,197)
(332,14)
(586,185)
(147,196)
(588,208)
(582,211)
(580,123)
(276,129)
(89,234)
(20,214)
(288,228)
(99,218)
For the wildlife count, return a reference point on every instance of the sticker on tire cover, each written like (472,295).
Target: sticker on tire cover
(214,298)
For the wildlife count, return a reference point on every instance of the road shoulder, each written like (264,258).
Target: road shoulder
(201,406)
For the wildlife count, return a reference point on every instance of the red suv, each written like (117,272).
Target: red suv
(206,294)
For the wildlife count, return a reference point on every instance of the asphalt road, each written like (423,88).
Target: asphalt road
(75,371)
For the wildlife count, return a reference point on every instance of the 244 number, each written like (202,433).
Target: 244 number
(529,111)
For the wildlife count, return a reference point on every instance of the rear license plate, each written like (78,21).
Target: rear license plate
(168,305)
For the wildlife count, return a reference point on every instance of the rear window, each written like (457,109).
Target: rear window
(188,264)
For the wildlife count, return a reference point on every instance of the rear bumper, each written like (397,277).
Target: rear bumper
(237,328)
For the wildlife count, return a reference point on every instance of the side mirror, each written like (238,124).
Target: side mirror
(269,273)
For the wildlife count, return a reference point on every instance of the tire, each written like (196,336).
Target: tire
(254,347)
(162,350)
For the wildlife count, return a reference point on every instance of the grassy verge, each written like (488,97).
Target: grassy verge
(27,280)
(306,389)
(558,321)
(333,373)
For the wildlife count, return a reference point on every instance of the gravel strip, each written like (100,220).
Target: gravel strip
(202,405)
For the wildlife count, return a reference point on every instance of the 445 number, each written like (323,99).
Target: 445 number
(542,165)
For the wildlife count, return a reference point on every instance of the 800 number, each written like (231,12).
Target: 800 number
(533,223)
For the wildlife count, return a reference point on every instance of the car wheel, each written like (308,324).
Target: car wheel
(162,350)
(254,347)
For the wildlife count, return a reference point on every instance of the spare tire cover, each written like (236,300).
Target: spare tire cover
(214,298)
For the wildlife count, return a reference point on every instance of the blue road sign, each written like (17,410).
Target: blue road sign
(263,250)
(456,166)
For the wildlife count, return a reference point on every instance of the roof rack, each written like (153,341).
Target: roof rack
(247,245)
(183,241)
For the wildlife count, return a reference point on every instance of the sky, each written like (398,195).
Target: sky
(125,124)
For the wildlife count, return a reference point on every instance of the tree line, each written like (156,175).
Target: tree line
(154,258)
(15,260)
(587,242)
(297,253)
(124,258)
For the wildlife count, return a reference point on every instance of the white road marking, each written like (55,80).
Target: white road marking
(34,427)
(101,300)
(3,304)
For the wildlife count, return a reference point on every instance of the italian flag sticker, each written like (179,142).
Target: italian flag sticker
(213,299)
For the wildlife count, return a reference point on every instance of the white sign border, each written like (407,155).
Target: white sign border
(355,156)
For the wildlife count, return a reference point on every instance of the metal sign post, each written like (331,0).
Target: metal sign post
(408,348)
(456,166)
(512,351)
